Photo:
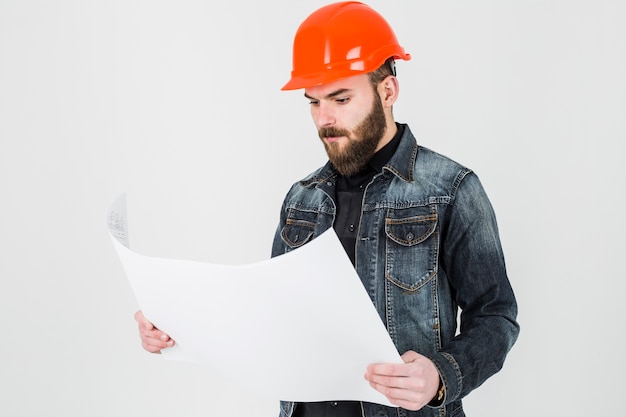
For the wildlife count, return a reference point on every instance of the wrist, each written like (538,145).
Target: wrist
(440,395)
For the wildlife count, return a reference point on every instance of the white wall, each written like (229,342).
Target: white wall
(178,104)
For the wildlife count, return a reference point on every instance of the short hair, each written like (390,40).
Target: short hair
(386,69)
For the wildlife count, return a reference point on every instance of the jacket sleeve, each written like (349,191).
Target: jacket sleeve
(473,262)
(278,246)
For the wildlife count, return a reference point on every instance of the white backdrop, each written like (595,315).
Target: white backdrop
(178,104)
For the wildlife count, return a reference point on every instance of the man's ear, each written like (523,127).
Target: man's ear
(388,89)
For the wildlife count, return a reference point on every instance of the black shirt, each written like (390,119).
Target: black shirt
(349,194)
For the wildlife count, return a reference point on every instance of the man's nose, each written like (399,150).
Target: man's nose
(325,116)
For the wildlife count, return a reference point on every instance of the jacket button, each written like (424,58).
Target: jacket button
(409,236)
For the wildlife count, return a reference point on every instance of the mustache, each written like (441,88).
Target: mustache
(326,132)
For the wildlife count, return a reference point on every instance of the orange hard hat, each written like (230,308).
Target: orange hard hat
(341,40)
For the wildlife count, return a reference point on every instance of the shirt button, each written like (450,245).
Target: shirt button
(351,228)
(334,404)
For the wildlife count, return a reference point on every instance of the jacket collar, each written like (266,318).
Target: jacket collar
(402,163)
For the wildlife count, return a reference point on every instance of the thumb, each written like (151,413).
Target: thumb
(411,356)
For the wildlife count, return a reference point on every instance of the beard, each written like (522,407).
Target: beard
(361,144)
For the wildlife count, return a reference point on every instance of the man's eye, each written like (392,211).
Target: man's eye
(342,100)
(314,102)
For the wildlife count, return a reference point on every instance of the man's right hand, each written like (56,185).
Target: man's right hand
(152,339)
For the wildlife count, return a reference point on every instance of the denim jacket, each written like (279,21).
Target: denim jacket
(427,247)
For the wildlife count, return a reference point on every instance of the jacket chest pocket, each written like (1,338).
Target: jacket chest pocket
(411,246)
(299,228)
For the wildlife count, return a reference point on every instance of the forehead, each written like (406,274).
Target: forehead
(357,83)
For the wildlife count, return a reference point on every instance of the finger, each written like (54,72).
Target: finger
(408,405)
(156,343)
(152,332)
(396,369)
(139,317)
(142,322)
(409,376)
(156,337)
(398,395)
(401,397)
(387,369)
(388,381)
(153,344)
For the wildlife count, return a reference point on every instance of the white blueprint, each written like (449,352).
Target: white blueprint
(298,327)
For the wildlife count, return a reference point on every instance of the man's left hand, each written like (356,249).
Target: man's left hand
(410,385)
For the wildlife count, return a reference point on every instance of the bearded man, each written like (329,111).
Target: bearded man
(417,226)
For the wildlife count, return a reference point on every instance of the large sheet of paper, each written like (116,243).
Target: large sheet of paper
(298,327)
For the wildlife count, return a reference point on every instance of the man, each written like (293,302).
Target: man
(417,226)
